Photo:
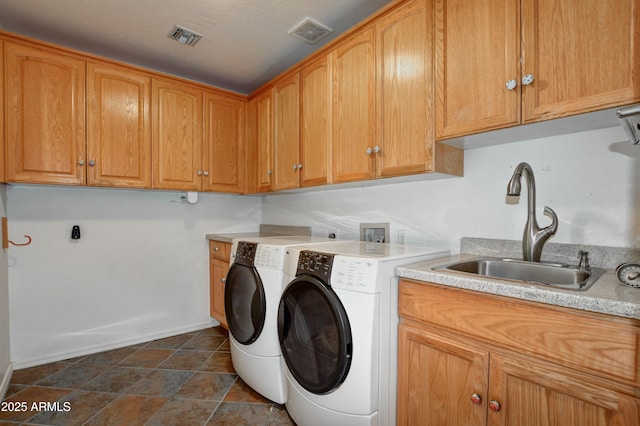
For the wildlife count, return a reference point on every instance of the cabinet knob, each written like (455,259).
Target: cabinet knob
(295,167)
(199,172)
(369,151)
(223,280)
(80,162)
(92,163)
(299,166)
(269,172)
(377,149)
(216,249)
(511,84)
(527,79)
(476,398)
(494,405)
(206,173)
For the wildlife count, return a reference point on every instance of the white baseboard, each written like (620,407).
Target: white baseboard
(6,379)
(76,352)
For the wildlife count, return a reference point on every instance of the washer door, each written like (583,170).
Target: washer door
(244,303)
(315,335)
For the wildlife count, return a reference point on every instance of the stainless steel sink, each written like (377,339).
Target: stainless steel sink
(551,274)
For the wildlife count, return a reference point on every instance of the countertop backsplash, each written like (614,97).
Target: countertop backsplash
(599,256)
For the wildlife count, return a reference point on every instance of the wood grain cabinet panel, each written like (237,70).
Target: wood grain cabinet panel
(3,174)
(286,139)
(219,253)
(437,378)
(477,52)
(118,126)
(593,66)
(177,135)
(263,106)
(506,62)
(466,357)
(224,143)
(315,122)
(405,90)
(354,112)
(45,111)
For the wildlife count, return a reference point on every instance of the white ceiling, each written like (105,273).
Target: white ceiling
(245,42)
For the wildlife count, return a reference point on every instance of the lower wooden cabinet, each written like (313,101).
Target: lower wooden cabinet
(451,373)
(218,267)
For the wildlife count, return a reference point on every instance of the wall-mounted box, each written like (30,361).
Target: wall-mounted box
(374,232)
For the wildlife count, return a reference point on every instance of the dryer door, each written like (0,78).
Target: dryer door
(244,303)
(315,335)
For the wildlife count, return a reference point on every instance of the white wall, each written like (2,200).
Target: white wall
(591,180)
(5,341)
(140,270)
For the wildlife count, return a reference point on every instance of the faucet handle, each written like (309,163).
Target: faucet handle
(584,260)
(551,229)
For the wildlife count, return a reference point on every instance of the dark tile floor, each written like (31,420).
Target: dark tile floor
(182,380)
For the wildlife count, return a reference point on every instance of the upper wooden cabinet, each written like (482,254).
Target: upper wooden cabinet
(118,126)
(224,142)
(353,111)
(45,115)
(262,119)
(506,62)
(405,125)
(477,51)
(3,175)
(286,139)
(594,65)
(315,122)
(177,135)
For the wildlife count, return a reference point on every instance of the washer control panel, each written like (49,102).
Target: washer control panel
(315,263)
(246,253)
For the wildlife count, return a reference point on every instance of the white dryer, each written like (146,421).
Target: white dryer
(337,326)
(253,287)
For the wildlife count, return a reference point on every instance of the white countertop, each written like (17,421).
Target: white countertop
(606,296)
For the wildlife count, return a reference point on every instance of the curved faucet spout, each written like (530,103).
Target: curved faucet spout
(534,237)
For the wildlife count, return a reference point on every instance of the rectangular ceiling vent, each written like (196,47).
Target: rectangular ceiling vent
(310,31)
(184,36)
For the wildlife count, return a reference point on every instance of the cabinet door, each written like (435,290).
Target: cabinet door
(177,135)
(224,142)
(405,90)
(264,140)
(595,65)
(118,126)
(45,111)
(315,111)
(218,273)
(542,394)
(354,108)
(286,118)
(437,379)
(477,52)
(3,175)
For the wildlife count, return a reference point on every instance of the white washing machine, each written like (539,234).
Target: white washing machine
(338,331)
(253,287)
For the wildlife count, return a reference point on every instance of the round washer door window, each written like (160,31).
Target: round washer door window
(244,303)
(315,335)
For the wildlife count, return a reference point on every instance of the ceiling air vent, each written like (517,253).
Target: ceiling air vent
(184,36)
(310,31)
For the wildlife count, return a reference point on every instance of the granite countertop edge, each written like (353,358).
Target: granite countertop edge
(606,296)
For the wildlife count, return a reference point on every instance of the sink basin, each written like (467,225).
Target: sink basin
(551,274)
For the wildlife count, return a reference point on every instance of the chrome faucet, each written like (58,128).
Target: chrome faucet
(534,237)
